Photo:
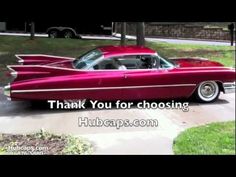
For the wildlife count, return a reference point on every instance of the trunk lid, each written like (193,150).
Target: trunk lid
(195,62)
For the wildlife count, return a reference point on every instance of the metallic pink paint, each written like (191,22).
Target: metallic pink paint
(109,51)
(57,73)
(195,62)
(39,59)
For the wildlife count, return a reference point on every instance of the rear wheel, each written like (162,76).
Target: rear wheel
(207,91)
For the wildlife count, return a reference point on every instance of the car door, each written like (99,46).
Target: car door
(142,83)
(158,82)
(147,82)
(109,81)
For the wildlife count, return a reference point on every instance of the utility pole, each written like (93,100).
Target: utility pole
(140,33)
(32,30)
(123,34)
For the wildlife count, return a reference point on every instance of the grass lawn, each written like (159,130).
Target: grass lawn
(11,45)
(210,139)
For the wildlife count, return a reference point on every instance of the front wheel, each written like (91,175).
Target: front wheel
(68,34)
(207,91)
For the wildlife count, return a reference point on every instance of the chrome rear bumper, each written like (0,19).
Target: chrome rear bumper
(7,90)
(229,87)
(20,61)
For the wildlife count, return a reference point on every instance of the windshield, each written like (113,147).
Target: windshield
(88,59)
(166,63)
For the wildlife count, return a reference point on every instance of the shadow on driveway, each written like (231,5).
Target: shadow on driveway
(26,108)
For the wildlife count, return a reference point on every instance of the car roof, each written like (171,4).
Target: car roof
(109,51)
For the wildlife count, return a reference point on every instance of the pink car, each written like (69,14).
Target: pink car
(118,73)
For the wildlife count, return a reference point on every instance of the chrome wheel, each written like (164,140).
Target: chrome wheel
(53,34)
(68,34)
(208,91)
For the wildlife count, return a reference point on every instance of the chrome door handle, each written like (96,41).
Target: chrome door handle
(125,76)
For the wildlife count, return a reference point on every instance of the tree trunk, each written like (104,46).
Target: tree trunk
(123,34)
(140,33)
(32,31)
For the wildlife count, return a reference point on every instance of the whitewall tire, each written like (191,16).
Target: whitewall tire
(207,91)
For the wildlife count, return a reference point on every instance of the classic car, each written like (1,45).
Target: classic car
(118,73)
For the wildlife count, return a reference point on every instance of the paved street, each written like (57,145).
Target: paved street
(189,41)
(22,117)
(181,41)
(117,37)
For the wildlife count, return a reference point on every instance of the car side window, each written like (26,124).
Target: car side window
(138,61)
(118,63)
(128,62)
(105,64)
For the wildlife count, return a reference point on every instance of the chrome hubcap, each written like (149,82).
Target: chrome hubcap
(68,35)
(53,35)
(207,90)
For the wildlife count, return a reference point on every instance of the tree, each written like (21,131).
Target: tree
(231,30)
(32,30)
(140,33)
(123,34)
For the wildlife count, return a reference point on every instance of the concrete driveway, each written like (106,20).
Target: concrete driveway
(22,117)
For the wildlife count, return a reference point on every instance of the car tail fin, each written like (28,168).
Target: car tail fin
(20,72)
(39,59)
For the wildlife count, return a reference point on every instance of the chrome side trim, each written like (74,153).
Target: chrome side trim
(116,70)
(229,87)
(43,55)
(101,88)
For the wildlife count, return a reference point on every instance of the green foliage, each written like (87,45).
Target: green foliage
(77,146)
(222,54)
(215,138)
(2,151)
(42,134)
